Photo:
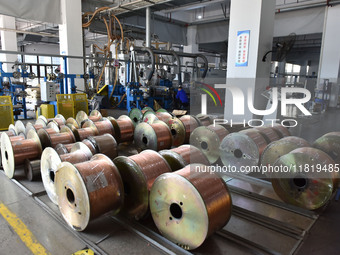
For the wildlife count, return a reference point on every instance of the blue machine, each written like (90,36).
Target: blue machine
(14,89)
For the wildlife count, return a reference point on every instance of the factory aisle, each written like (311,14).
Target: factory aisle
(23,221)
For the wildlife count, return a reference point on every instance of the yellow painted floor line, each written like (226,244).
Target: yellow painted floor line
(22,231)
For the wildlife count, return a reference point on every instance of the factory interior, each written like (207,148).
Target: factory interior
(170,127)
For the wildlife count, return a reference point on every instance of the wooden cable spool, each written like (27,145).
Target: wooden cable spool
(138,173)
(189,205)
(65,136)
(32,170)
(190,123)
(242,149)
(88,190)
(208,140)
(15,153)
(156,136)
(104,126)
(50,160)
(105,144)
(184,155)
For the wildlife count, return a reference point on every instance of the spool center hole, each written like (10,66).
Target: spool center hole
(238,153)
(52,175)
(176,211)
(145,140)
(135,119)
(300,182)
(173,132)
(204,145)
(6,155)
(70,196)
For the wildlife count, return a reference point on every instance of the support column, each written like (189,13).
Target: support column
(257,17)
(8,41)
(148,27)
(71,41)
(191,47)
(329,65)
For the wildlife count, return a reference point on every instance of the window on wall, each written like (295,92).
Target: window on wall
(292,73)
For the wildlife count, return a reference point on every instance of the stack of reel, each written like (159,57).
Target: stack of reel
(170,179)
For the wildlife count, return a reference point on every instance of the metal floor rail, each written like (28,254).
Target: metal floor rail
(260,224)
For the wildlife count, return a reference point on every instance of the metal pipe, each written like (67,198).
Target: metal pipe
(148,27)
(152,56)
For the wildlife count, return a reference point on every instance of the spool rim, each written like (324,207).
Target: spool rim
(115,126)
(136,116)
(207,141)
(82,147)
(67,129)
(7,156)
(81,116)
(136,202)
(30,126)
(73,122)
(54,126)
(40,121)
(244,144)
(142,131)
(31,134)
(44,138)
(43,118)
(96,113)
(12,127)
(176,124)
(20,127)
(60,116)
(69,211)
(172,193)
(174,159)
(50,160)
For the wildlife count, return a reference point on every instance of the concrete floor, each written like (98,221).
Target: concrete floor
(57,238)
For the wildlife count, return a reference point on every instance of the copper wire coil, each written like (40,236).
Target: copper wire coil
(38,126)
(257,137)
(105,144)
(184,155)
(83,133)
(190,123)
(50,131)
(268,134)
(104,127)
(138,173)
(15,153)
(88,190)
(91,146)
(10,133)
(59,122)
(75,157)
(95,118)
(32,169)
(163,116)
(205,120)
(281,130)
(124,129)
(63,148)
(189,205)
(52,140)
(156,136)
